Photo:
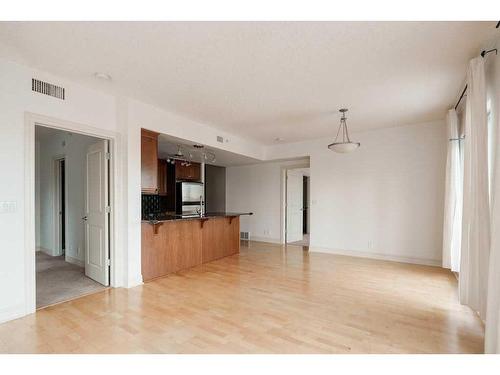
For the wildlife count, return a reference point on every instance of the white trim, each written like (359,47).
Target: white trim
(283,190)
(117,254)
(56,192)
(12,313)
(75,261)
(43,250)
(133,282)
(265,239)
(387,257)
(361,254)
(29,218)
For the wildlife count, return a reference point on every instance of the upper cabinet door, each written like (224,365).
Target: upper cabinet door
(149,162)
(162,177)
(195,171)
(191,172)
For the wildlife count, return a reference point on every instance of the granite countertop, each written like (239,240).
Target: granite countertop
(155,218)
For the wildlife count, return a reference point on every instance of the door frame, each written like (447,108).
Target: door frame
(57,235)
(116,236)
(284,170)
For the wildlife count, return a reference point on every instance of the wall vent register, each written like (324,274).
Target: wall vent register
(47,89)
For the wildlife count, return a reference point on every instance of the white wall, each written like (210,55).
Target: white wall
(119,116)
(385,200)
(83,106)
(258,189)
(123,117)
(73,148)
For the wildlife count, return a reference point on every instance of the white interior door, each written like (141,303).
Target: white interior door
(96,214)
(294,203)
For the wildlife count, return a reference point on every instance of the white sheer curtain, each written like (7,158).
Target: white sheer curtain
(452,228)
(492,331)
(473,279)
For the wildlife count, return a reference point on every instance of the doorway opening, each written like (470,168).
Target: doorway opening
(72,215)
(60,205)
(297,213)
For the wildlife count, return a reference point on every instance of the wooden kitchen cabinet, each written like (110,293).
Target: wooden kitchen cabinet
(221,238)
(191,172)
(149,162)
(162,177)
(176,245)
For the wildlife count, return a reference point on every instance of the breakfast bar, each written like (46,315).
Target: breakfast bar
(171,243)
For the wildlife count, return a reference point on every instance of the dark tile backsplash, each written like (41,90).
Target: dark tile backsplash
(153,204)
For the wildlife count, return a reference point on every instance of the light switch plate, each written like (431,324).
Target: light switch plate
(8,207)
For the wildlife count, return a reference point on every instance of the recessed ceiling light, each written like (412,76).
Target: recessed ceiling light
(103,76)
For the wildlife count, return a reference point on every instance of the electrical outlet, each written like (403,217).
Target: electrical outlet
(8,207)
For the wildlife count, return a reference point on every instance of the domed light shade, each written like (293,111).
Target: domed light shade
(346,145)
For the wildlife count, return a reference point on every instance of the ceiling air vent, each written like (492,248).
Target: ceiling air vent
(47,88)
(220,139)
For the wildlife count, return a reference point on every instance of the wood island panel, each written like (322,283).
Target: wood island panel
(188,245)
(221,238)
(182,244)
(176,246)
(213,237)
(234,236)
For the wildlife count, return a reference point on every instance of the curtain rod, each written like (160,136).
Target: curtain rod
(483,53)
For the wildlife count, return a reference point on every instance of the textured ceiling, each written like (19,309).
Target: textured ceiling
(264,80)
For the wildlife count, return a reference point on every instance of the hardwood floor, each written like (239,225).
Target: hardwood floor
(267,299)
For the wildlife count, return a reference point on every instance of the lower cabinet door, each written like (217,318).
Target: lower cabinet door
(189,244)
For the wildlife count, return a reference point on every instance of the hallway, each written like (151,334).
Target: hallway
(58,280)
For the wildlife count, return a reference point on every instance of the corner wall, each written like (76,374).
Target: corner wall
(83,106)
(123,117)
(258,188)
(384,200)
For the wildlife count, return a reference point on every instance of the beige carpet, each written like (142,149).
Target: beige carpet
(58,280)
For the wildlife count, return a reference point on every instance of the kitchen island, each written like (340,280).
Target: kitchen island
(171,243)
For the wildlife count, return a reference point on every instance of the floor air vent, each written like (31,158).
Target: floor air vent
(47,88)
(244,235)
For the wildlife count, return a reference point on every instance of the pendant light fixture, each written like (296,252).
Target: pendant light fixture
(343,145)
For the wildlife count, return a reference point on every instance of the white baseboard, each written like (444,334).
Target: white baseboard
(75,261)
(44,250)
(265,239)
(133,282)
(12,313)
(388,257)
